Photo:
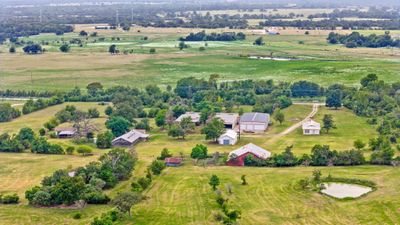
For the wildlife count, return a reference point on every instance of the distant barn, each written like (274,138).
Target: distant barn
(130,138)
(173,161)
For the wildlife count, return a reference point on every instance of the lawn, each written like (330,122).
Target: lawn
(36,119)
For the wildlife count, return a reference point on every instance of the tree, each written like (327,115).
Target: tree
(334,99)
(243,178)
(279,116)
(182,45)
(157,166)
(358,144)
(124,201)
(160,118)
(214,182)
(187,125)
(199,152)
(83,33)
(65,48)
(12,49)
(84,150)
(370,78)
(104,140)
(214,129)
(176,131)
(108,111)
(152,51)
(259,41)
(26,136)
(33,49)
(118,125)
(94,88)
(113,49)
(328,123)
(93,113)
(164,154)
(7,112)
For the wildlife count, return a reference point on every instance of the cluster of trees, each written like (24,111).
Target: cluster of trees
(86,184)
(7,112)
(332,24)
(322,155)
(225,36)
(39,104)
(356,39)
(25,93)
(13,29)
(373,12)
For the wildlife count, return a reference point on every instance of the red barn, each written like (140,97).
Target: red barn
(236,157)
(173,161)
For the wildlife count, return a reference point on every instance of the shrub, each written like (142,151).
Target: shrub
(52,134)
(199,152)
(144,182)
(42,132)
(164,154)
(104,140)
(136,187)
(9,199)
(77,216)
(157,166)
(84,150)
(70,150)
(41,198)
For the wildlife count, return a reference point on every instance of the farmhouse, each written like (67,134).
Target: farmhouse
(130,138)
(254,122)
(65,132)
(228,138)
(195,116)
(237,157)
(173,161)
(310,127)
(230,119)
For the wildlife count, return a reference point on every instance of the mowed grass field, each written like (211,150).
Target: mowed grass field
(319,61)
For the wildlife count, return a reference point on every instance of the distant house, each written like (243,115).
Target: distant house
(230,119)
(254,122)
(173,161)
(310,127)
(65,132)
(194,116)
(130,138)
(237,157)
(230,137)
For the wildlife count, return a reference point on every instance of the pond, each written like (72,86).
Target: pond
(342,190)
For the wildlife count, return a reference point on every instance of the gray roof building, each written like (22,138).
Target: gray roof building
(130,138)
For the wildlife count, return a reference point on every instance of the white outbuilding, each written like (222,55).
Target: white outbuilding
(254,122)
(310,127)
(230,137)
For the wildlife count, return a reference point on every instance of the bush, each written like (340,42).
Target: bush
(41,198)
(136,187)
(96,197)
(77,216)
(164,154)
(70,150)
(42,132)
(52,134)
(157,166)
(104,140)
(84,150)
(199,152)
(93,113)
(9,199)
(144,182)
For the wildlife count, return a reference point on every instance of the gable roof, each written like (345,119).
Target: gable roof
(311,124)
(195,116)
(173,160)
(132,136)
(251,148)
(228,118)
(255,117)
(229,133)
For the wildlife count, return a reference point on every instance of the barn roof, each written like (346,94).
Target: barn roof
(228,118)
(174,160)
(132,136)
(311,124)
(251,148)
(255,117)
(195,116)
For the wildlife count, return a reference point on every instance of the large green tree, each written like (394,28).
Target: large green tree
(118,125)
(213,129)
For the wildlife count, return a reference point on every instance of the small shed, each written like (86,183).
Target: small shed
(230,119)
(230,137)
(237,157)
(194,116)
(254,122)
(173,161)
(310,127)
(130,138)
(65,132)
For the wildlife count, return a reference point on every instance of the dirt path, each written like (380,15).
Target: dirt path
(292,128)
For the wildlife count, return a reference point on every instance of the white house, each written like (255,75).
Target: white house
(194,116)
(254,122)
(228,138)
(310,127)
(230,119)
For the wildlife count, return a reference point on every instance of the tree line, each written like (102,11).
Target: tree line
(356,39)
(225,36)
